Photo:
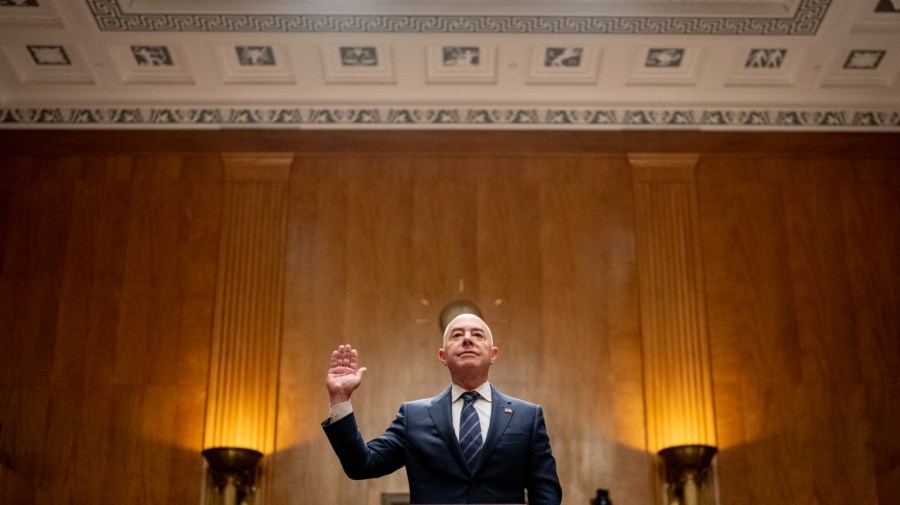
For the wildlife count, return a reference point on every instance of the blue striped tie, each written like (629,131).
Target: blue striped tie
(469,429)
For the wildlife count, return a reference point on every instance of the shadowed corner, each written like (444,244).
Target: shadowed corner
(13,487)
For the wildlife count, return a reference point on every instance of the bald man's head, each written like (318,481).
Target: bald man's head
(467,320)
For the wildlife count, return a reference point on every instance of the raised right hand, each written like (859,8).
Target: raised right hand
(344,374)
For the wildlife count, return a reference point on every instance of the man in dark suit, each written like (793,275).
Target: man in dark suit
(469,444)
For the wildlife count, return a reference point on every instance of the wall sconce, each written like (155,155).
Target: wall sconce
(686,467)
(455,308)
(233,470)
(602,498)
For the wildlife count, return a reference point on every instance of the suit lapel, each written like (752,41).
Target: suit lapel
(442,418)
(501,414)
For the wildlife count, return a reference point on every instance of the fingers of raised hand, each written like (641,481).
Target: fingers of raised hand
(345,356)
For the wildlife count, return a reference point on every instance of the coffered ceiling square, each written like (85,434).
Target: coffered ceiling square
(666,65)
(43,62)
(149,62)
(255,64)
(765,66)
(561,64)
(357,63)
(884,17)
(862,66)
(461,64)
(29,12)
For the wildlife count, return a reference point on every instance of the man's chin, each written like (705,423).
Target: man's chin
(470,362)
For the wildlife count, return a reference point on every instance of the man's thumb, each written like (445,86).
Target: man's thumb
(361,371)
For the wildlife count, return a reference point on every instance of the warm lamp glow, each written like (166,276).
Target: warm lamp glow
(240,425)
(684,423)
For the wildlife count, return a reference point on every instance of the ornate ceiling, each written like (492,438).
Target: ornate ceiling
(758,65)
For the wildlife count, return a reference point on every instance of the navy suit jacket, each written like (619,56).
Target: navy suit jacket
(516,454)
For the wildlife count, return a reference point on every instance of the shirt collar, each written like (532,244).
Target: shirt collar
(484,390)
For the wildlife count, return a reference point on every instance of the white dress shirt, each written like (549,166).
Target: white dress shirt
(482,407)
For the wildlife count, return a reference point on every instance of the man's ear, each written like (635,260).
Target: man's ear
(495,351)
(441,355)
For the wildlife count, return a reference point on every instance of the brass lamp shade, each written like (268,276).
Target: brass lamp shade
(233,469)
(232,463)
(228,460)
(688,458)
(686,468)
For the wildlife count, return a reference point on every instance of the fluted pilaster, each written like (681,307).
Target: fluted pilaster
(677,381)
(243,377)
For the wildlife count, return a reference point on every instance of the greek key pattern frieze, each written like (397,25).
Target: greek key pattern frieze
(805,21)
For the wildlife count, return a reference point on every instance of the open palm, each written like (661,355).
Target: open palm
(344,374)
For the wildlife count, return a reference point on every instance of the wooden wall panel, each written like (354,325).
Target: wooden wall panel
(871,218)
(589,340)
(803,346)
(104,382)
(108,279)
(93,275)
(314,278)
(39,217)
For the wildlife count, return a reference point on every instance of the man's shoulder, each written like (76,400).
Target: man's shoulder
(427,402)
(505,397)
(512,401)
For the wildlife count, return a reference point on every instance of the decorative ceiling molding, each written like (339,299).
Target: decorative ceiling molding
(746,65)
(762,119)
(806,20)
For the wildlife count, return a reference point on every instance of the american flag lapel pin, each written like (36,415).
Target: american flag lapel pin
(507,410)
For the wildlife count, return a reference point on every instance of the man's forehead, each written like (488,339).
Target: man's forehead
(467,321)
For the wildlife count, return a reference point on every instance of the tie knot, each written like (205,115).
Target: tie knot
(470,396)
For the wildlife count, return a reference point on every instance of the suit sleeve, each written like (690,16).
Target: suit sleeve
(543,481)
(378,457)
